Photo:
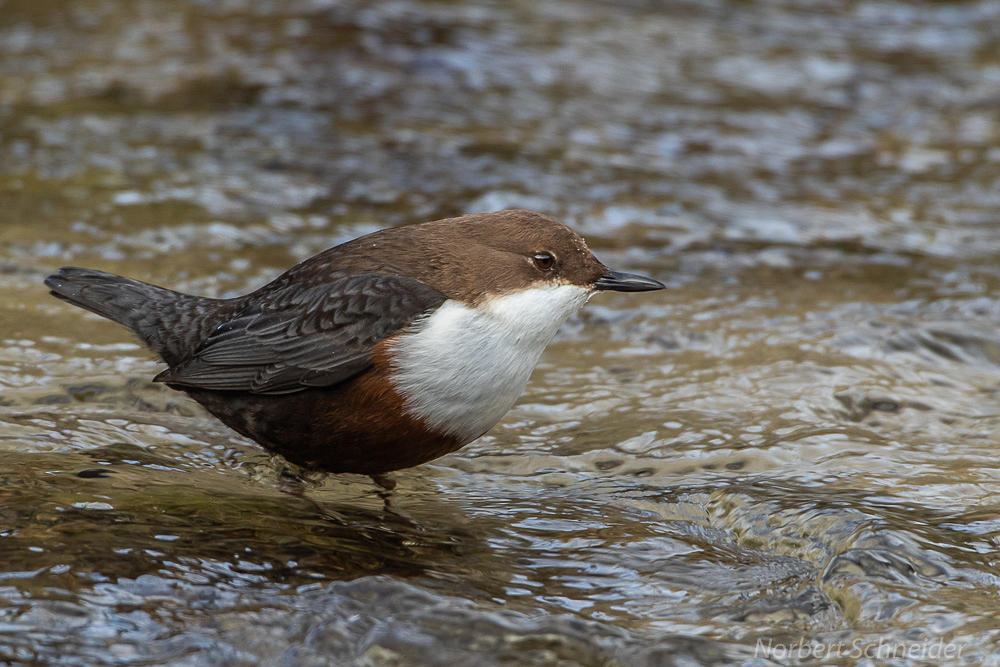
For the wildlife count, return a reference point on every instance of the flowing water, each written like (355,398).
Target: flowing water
(790,456)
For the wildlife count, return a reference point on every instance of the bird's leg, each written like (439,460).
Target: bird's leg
(387,484)
(384,480)
(289,475)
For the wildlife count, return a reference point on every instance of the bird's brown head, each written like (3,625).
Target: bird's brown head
(488,254)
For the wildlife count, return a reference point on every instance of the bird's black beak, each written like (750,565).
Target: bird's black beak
(627,282)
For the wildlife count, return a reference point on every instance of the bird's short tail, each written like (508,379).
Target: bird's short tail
(170,323)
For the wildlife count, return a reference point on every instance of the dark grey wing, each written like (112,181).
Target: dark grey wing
(295,338)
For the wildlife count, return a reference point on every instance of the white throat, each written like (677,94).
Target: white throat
(462,368)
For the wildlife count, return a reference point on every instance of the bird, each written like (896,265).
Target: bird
(379,354)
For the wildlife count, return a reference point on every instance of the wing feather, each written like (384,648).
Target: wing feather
(293,338)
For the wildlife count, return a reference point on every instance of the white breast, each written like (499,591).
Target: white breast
(462,368)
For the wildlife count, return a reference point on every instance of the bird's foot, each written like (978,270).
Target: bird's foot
(296,481)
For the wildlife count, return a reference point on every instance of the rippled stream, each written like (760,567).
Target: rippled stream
(789,457)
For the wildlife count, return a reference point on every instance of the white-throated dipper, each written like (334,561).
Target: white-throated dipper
(378,354)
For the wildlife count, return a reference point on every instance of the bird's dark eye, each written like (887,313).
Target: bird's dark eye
(545,261)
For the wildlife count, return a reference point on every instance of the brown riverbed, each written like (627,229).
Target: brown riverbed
(796,443)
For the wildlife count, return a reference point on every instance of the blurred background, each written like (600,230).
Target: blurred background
(796,442)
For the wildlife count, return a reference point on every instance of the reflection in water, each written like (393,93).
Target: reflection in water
(796,443)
